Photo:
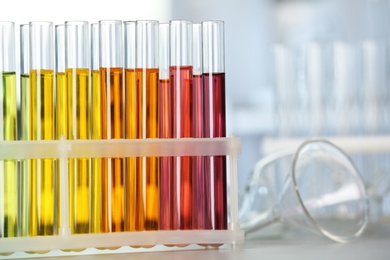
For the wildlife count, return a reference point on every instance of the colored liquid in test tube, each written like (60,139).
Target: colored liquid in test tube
(99,211)
(42,127)
(24,128)
(147,80)
(215,112)
(112,95)
(61,105)
(181,81)
(8,131)
(201,178)
(78,123)
(135,208)
(166,131)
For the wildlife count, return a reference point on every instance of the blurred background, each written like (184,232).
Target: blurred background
(294,68)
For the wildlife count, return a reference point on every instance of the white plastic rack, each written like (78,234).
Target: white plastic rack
(64,149)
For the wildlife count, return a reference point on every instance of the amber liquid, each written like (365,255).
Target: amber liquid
(181,81)
(96,163)
(113,128)
(61,127)
(148,82)
(42,170)
(166,162)
(135,211)
(9,168)
(78,129)
(142,122)
(24,164)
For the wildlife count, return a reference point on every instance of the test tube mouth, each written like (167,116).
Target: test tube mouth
(180,36)
(41,45)
(164,50)
(9,23)
(94,46)
(213,46)
(110,43)
(77,44)
(60,47)
(197,49)
(24,49)
(7,46)
(147,34)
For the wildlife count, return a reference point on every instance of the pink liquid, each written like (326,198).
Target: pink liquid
(201,178)
(181,82)
(215,126)
(166,162)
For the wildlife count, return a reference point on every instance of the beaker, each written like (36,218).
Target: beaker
(323,192)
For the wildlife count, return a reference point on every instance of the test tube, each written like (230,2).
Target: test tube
(215,112)
(78,123)
(201,178)
(61,103)
(166,131)
(8,131)
(181,81)
(96,134)
(135,210)
(24,128)
(111,81)
(147,79)
(42,127)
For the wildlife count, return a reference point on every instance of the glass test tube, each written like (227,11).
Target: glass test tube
(97,211)
(42,127)
(135,210)
(166,131)
(61,103)
(201,178)
(24,128)
(147,80)
(111,81)
(78,123)
(8,131)
(215,112)
(181,81)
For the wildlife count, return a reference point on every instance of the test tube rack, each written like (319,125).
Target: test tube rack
(64,149)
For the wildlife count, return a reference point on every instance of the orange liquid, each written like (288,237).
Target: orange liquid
(142,173)
(149,80)
(113,128)
(135,216)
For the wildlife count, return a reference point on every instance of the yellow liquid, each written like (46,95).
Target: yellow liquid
(24,164)
(42,170)
(9,168)
(61,128)
(79,129)
(96,174)
(113,128)
(135,216)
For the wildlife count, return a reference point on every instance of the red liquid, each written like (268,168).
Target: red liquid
(181,82)
(215,126)
(201,192)
(166,163)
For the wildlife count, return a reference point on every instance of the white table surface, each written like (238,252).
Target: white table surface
(289,244)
